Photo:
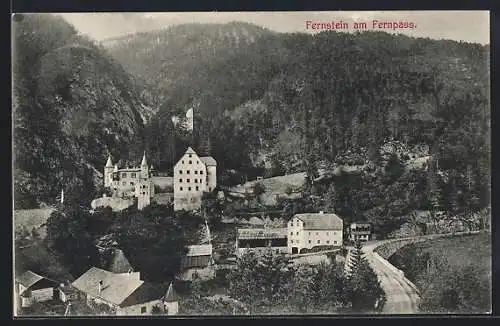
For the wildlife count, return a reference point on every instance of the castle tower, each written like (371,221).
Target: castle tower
(108,172)
(171,301)
(144,189)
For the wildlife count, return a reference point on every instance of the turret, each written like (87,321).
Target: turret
(144,167)
(108,171)
(171,301)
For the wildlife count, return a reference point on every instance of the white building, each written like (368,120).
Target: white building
(314,229)
(193,175)
(32,288)
(360,232)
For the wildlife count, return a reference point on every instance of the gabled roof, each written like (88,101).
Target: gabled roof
(320,221)
(28,278)
(115,287)
(33,281)
(208,160)
(118,263)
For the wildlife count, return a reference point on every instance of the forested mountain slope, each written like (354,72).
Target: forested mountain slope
(72,105)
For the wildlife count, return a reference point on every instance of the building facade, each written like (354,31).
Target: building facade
(198,263)
(130,182)
(32,288)
(360,232)
(312,230)
(261,240)
(193,175)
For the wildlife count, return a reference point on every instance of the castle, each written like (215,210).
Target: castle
(130,182)
(193,175)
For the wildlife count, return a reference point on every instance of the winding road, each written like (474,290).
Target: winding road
(401,296)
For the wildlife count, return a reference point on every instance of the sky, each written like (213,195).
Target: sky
(468,26)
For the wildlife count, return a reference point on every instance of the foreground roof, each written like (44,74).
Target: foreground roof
(115,287)
(320,221)
(28,278)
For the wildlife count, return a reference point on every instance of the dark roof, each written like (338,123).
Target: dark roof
(208,160)
(145,293)
(320,221)
(171,295)
(118,263)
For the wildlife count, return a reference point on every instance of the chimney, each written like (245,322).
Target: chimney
(99,287)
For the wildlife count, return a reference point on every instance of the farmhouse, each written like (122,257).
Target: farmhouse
(314,229)
(198,263)
(123,293)
(261,240)
(32,288)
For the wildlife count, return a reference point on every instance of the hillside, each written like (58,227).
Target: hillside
(275,97)
(72,105)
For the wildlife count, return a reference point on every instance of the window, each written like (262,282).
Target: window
(131,183)
(197,162)
(326,233)
(309,233)
(291,233)
(334,242)
(182,162)
(291,224)
(201,172)
(132,175)
(195,180)
(209,188)
(124,183)
(201,181)
(143,310)
(196,172)
(297,233)
(291,241)
(124,175)
(319,241)
(190,155)
(309,241)
(143,193)
(197,188)
(317,233)
(187,171)
(334,233)
(180,180)
(189,188)
(327,241)
(190,162)
(187,180)
(180,188)
(180,171)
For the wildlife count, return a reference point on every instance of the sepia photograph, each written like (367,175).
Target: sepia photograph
(187,164)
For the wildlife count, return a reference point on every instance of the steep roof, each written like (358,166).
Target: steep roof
(118,263)
(109,163)
(190,151)
(115,287)
(320,221)
(208,160)
(171,295)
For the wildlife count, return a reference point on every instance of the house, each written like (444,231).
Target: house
(121,293)
(360,231)
(261,240)
(193,175)
(314,229)
(32,288)
(198,262)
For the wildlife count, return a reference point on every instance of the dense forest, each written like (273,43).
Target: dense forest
(264,103)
